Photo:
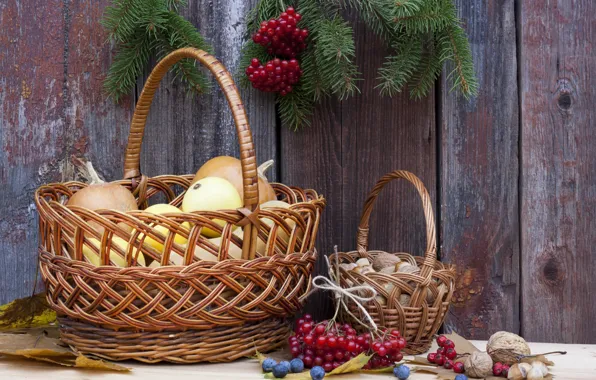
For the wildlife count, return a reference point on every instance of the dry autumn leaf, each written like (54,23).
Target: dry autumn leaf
(25,312)
(42,348)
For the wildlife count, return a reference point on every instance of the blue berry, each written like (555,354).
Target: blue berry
(317,373)
(280,371)
(461,377)
(402,372)
(286,364)
(268,365)
(296,365)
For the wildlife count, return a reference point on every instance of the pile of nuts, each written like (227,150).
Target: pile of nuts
(387,263)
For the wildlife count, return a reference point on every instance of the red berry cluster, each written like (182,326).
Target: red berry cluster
(446,355)
(331,345)
(500,369)
(285,40)
(275,76)
(281,36)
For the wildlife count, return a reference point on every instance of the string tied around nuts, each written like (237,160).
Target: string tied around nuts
(345,295)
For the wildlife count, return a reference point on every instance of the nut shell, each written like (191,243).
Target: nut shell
(384,260)
(506,347)
(479,364)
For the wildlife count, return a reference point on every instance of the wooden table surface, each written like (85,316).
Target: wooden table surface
(579,363)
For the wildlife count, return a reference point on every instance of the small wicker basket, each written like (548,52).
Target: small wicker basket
(414,303)
(185,309)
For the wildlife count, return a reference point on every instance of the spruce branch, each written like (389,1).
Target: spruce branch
(295,108)
(128,65)
(399,67)
(457,49)
(146,28)
(335,54)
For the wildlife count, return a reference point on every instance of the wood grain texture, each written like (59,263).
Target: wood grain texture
(312,158)
(558,211)
(185,131)
(51,106)
(381,134)
(479,176)
(349,147)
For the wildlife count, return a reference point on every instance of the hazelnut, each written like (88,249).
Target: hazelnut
(506,347)
(348,266)
(384,260)
(515,373)
(535,373)
(406,268)
(387,270)
(540,365)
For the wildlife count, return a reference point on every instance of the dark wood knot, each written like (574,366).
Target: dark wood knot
(564,100)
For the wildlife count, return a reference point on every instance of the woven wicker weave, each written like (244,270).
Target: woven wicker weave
(413,303)
(221,303)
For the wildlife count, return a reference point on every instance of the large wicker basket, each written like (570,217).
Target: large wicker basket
(182,308)
(414,303)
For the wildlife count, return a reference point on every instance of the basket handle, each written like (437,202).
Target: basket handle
(247,151)
(430,256)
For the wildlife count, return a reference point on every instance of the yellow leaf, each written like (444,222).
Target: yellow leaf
(84,362)
(379,370)
(26,312)
(352,365)
(50,350)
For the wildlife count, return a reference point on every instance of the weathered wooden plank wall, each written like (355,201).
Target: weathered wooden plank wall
(524,252)
(558,199)
(479,175)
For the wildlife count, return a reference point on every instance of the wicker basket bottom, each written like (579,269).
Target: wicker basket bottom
(222,344)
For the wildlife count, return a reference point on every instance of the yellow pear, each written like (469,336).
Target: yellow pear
(115,258)
(211,194)
(261,245)
(159,209)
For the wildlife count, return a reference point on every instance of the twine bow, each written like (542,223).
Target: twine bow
(346,294)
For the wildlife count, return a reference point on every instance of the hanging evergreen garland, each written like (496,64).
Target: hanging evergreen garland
(302,49)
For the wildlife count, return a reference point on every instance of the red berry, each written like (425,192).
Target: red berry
(450,353)
(342,342)
(308,360)
(309,340)
(402,343)
(439,359)
(295,351)
(431,357)
(382,351)
(505,370)
(321,341)
(441,350)
(448,364)
(449,344)
(351,346)
(339,355)
(441,340)
(306,327)
(396,333)
(329,357)
(290,11)
(376,346)
(328,367)
(387,345)
(318,361)
(458,367)
(332,342)
(320,329)
(497,369)
(398,357)
(307,317)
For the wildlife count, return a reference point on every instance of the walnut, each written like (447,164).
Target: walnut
(407,268)
(479,364)
(384,260)
(506,347)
